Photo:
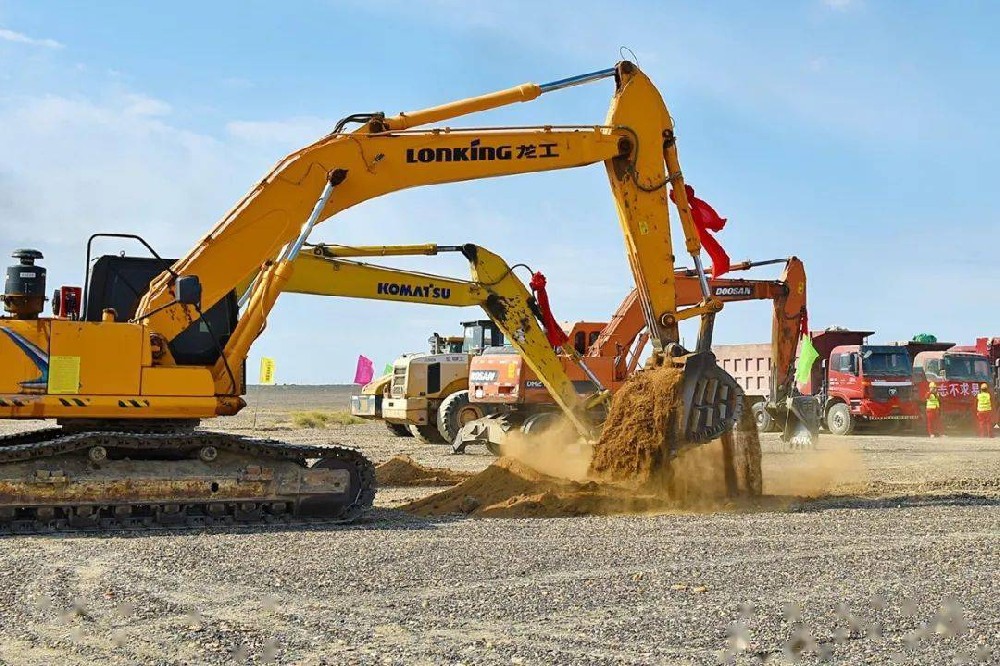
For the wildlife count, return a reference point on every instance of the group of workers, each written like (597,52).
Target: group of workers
(983,415)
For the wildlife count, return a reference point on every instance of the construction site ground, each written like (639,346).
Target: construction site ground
(870,549)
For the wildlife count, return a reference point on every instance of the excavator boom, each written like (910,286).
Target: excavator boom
(494,287)
(385,154)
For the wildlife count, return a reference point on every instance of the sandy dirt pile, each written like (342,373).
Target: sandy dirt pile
(510,488)
(630,470)
(404,471)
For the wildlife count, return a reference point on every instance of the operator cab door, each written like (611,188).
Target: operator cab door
(119,282)
(843,371)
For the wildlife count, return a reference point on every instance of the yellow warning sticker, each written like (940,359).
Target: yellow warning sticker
(64,375)
(267,371)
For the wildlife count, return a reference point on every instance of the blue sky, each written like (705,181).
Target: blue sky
(860,135)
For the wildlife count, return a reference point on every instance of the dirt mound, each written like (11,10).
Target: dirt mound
(631,469)
(509,488)
(640,431)
(405,471)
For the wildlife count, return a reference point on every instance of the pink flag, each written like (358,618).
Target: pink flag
(365,370)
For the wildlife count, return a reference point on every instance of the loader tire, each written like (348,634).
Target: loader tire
(763,420)
(398,429)
(455,412)
(426,434)
(839,420)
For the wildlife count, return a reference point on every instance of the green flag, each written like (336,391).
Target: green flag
(387,370)
(807,356)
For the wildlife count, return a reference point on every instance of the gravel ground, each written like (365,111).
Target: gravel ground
(894,562)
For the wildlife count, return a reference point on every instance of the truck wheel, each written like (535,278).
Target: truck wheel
(426,434)
(455,412)
(839,420)
(763,420)
(398,429)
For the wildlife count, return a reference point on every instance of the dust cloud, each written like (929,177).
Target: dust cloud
(816,473)
(557,451)
(633,468)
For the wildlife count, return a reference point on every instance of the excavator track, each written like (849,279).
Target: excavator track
(57,480)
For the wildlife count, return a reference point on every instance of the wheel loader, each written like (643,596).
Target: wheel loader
(128,386)
(421,383)
(407,398)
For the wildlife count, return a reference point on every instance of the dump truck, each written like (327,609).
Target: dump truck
(855,382)
(958,376)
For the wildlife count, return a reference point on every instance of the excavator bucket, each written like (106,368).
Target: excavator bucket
(802,420)
(711,397)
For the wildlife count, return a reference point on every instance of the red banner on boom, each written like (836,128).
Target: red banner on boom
(553,331)
(707,222)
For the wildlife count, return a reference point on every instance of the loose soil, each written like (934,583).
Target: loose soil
(631,469)
(511,489)
(640,433)
(404,471)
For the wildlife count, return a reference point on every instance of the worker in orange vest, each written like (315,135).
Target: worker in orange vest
(984,411)
(933,411)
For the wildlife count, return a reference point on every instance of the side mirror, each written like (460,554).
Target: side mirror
(187,290)
(854,364)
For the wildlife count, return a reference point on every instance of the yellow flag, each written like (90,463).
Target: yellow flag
(267,371)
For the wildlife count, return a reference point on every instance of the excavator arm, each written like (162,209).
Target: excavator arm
(636,144)
(787,293)
(329,271)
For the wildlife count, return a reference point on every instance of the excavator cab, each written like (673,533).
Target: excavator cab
(118,282)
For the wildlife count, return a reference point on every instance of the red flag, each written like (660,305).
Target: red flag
(553,331)
(707,221)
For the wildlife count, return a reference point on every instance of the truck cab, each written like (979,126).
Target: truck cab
(872,383)
(958,375)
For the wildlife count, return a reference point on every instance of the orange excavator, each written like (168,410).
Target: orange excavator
(501,383)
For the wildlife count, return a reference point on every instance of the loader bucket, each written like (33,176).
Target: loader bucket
(802,420)
(712,399)
(489,430)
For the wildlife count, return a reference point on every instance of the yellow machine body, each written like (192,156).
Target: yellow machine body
(62,369)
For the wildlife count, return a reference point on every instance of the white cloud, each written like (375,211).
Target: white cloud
(840,5)
(20,38)
(141,105)
(290,133)
(71,166)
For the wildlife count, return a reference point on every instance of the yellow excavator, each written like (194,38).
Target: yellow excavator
(157,346)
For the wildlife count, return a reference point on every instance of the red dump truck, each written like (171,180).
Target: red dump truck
(959,373)
(990,348)
(855,382)
(958,376)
